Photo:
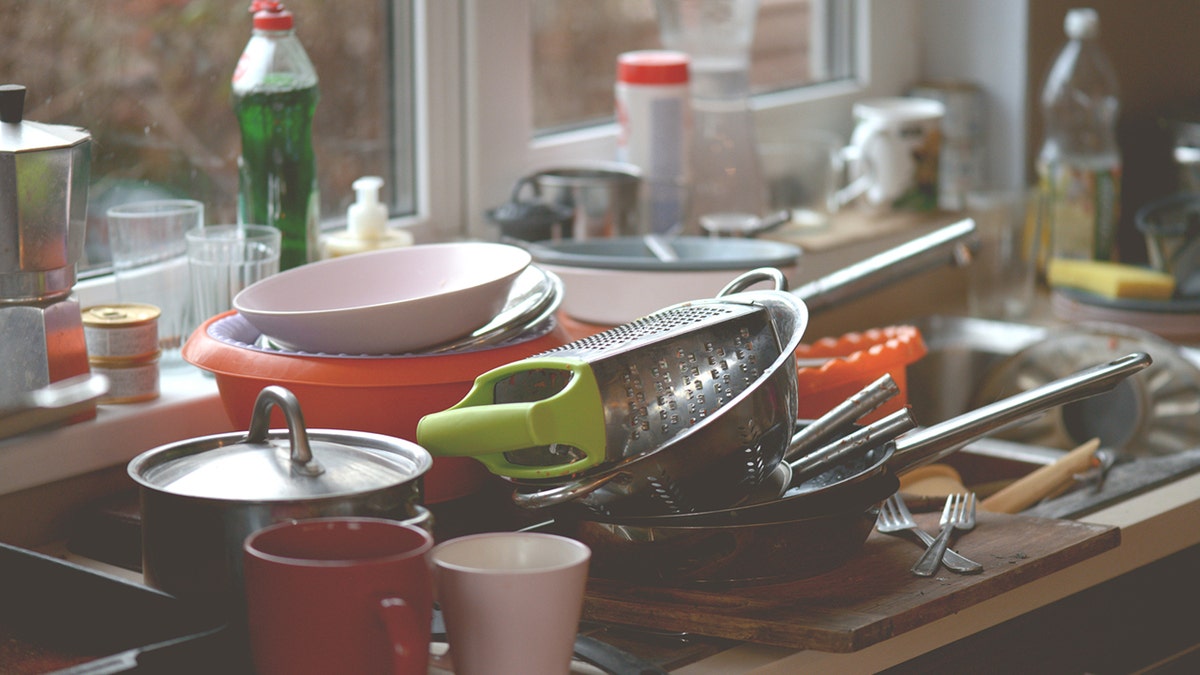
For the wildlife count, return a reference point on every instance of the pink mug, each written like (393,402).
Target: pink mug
(511,601)
(339,595)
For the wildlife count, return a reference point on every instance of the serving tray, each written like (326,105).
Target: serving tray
(869,599)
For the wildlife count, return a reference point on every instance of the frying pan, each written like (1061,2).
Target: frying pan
(816,539)
(816,526)
(915,449)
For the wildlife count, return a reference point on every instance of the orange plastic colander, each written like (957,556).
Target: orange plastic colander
(851,362)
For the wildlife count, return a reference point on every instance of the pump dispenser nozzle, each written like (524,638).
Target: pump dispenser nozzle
(366,224)
(366,217)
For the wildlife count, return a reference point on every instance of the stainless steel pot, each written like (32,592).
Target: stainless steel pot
(201,498)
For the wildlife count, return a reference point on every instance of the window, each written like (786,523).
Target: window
(576,43)
(440,97)
(150,79)
(809,69)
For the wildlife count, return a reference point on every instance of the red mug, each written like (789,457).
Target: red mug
(339,595)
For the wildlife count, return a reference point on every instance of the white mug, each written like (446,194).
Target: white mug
(893,153)
(511,601)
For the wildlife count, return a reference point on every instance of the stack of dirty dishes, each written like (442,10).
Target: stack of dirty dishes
(374,341)
(685,411)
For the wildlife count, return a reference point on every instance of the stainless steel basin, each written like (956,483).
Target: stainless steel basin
(946,382)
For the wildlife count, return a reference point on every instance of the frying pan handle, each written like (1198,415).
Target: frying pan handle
(479,427)
(947,245)
(932,443)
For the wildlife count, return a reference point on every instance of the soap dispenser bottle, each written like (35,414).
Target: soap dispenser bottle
(366,224)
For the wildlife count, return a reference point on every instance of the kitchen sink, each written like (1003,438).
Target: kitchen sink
(965,353)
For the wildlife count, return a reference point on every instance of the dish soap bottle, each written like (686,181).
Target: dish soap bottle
(274,98)
(1079,167)
(366,224)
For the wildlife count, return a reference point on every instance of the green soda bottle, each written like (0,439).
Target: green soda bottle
(274,98)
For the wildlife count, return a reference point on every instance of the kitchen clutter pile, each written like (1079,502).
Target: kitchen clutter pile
(654,441)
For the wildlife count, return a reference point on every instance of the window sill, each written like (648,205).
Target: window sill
(188,407)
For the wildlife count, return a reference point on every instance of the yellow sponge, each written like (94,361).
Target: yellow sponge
(1113,280)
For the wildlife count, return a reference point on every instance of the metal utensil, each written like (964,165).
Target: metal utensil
(894,518)
(950,244)
(840,416)
(660,247)
(958,514)
(879,432)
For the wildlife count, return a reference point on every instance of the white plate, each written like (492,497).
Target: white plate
(393,301)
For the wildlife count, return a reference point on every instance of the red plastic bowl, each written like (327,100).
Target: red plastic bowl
(386,395)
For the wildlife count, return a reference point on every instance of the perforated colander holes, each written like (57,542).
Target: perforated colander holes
(755,468)
(636,404)
(666,492)
(669,418)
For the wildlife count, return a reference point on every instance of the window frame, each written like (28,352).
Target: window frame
(498,143)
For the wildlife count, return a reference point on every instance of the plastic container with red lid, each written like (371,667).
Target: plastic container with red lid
(653,107)
(853,361)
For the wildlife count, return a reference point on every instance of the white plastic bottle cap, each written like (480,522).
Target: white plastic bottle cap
(1082,23)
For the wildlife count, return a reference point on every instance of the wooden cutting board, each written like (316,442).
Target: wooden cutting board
(869,599)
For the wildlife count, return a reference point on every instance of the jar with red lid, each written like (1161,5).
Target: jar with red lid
(653,117)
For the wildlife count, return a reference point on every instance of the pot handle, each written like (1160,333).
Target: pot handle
(260,427)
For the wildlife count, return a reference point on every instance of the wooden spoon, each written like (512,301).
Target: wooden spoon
(1028,490)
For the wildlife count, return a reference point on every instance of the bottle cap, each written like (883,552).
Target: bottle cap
(270,15)
(652,66)
(1082,23)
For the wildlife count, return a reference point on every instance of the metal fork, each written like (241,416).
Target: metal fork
(958,514)
(894,517)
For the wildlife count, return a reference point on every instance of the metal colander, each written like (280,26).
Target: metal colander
(657,376)
(625,393)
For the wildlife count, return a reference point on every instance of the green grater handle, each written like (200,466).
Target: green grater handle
(479,427)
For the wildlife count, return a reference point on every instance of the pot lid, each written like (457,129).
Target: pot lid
(17,135)
(283,464)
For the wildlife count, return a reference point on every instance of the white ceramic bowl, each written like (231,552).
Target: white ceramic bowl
(394,301)
(613,281)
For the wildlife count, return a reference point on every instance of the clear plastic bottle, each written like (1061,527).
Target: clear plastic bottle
(728,190)
(274,97)
(1079,167)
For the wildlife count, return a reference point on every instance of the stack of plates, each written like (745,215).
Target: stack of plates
(1177,320)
